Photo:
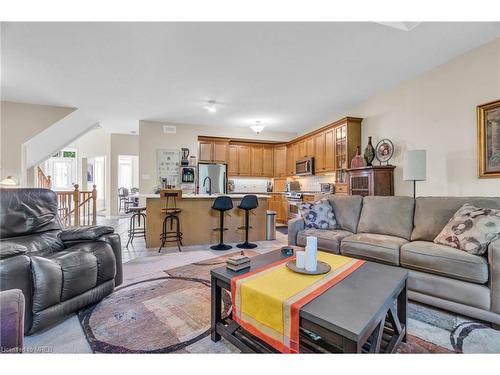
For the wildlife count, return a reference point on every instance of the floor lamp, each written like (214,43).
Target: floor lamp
(414,167)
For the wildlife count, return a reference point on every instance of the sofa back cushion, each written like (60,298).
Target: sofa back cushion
(392,216)
(27,211)
(346,210)
(433,213)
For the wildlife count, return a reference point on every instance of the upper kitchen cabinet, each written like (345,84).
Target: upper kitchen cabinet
(213,150)
(232,164)
(347,136)
(329,150)
(290,160)
(257,159)
(244,160)
(280,161)
(310,147)
(268,161)
(319,156)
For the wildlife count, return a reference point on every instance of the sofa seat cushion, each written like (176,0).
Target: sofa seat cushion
(328,240)
(445,261)
(379,247)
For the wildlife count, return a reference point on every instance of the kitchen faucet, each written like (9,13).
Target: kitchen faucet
(209,184)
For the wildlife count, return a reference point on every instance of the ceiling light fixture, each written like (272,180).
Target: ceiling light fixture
(8,181)
(257,128)
(210,107)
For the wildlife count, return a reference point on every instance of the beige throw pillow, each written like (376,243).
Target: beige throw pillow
(471,229)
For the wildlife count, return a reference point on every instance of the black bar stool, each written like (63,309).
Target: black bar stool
(249,202)
(137,231)
(222,204)
(172,217)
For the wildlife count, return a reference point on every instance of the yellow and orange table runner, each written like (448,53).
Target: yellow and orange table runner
(267,301)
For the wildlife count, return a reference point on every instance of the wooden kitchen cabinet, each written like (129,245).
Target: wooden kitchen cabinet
(244,160)
(220,151)
(268,161)
(232,164)
(280,161)
(205,151)
(375,180)
(256,162)
(302,151)
(309,147)
(290,160)
(319,155)
(213,151)
(279,204)
(329,150)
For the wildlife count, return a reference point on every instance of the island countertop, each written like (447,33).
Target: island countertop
(207,196)
(198,220)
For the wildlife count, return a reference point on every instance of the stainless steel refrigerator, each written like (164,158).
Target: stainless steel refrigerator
(218,177)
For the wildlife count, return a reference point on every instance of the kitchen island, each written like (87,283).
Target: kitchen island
(198,219)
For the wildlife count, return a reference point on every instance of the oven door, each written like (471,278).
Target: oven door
(304,167)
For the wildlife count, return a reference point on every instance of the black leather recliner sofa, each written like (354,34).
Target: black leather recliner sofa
(59,271)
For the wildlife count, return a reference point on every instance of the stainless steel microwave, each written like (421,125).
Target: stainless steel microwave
(304,167)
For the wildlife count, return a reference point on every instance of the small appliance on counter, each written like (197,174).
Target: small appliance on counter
(230,186)
(188,175)
(292,186)
(184,157)
(269,187)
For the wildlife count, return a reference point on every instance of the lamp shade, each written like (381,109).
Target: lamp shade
(414,165)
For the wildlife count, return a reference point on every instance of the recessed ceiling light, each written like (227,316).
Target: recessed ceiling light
(210,107)
(258,127)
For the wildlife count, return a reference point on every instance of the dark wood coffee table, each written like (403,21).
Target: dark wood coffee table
(364,313)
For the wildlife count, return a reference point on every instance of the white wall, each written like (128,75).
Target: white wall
(19,122)
(437,112)
(121,144)
(151,138)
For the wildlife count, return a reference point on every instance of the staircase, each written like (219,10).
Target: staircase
(76,208)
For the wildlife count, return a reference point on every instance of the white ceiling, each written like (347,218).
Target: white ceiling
(291,76)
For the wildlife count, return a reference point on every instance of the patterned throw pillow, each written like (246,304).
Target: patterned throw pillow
(318,215)
(471,229)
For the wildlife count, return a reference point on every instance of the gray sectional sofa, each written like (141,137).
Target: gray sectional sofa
(399,231)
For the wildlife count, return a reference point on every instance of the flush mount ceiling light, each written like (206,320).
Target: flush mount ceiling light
(210,107)
(257,128)
(8,181)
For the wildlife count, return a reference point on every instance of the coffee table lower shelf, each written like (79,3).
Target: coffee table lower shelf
(311,342)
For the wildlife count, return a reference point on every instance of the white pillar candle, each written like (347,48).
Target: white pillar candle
(312,242)
(311,258)
(300,260)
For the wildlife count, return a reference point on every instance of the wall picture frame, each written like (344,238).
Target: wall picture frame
(488,131)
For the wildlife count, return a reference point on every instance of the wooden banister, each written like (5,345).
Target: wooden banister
(78,208)
(43,181)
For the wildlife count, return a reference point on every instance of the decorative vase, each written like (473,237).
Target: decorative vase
(357,161)
(369,152)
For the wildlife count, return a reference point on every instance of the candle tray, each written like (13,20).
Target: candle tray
(321,268)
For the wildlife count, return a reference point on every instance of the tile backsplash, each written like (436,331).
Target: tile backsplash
(250,185)
(311,183)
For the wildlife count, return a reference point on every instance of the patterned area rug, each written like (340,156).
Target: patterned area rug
(172,314)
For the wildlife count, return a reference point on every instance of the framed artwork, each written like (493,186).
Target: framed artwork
(488,131)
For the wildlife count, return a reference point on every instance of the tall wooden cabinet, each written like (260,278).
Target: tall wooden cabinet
(375,180)
(213,150)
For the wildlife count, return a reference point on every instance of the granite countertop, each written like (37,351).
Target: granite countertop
(205,196)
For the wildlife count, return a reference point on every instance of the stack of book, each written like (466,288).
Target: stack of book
(238,262)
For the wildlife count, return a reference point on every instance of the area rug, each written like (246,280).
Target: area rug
(171,314)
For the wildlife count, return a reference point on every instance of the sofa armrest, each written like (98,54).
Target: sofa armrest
(12,323)
(80,235)
(294,226)
(10,249)
(91,233)
(494,264)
